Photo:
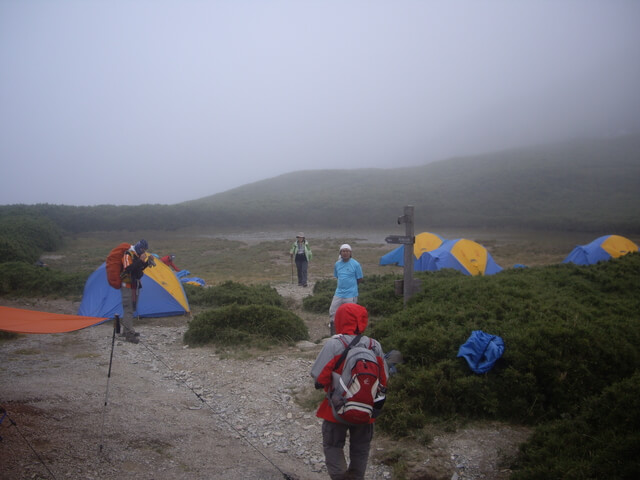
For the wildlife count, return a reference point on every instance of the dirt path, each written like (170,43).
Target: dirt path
(173,412)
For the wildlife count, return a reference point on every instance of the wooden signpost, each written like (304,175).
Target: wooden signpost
(408,286)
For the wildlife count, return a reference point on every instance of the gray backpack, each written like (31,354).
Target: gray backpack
(356,395)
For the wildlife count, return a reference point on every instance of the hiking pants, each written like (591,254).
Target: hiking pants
(301,266)
(333,439)
(127,311)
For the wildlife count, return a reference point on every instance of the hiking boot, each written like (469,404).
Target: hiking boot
(132,339)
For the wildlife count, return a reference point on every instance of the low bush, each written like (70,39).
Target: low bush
(25,280)
(247,325)
(569,332)
(600,441)
(230,292)
(23,238)
(376,293)
(320,300)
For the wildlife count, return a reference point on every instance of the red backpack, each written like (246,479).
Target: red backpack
(356,395)
(114,265)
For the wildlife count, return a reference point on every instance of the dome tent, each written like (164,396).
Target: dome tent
(425,242)
(161,294)
(461,254)
(601,249)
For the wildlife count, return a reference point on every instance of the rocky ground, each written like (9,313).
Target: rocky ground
(168,411)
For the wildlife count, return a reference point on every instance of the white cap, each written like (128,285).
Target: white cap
(345,246)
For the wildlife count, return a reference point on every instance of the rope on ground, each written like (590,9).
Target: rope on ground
(210,407)
(14,424)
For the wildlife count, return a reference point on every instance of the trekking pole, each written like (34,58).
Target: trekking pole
(116,326)
(291,270)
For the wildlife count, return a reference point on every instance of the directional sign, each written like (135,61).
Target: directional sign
(400,239)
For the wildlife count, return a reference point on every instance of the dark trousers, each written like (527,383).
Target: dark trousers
(334,437)
(301,265)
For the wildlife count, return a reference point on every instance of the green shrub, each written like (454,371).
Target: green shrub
(22,279)
(320,300)
(376,293)
(248,325)
(229,293)
(601,441)
(24,237)
(568,331)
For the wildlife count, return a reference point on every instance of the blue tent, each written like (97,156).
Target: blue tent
(461,254)
(161,295)
(601,249)
(424,242)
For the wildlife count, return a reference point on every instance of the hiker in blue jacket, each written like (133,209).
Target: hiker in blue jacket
(349,274)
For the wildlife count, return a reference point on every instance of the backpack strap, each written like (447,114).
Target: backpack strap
(353,343)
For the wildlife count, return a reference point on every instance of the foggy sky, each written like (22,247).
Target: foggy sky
(151,101)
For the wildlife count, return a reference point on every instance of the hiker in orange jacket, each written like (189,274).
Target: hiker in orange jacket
(134,261)
(351,320)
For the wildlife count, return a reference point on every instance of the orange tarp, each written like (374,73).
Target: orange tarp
(29,321)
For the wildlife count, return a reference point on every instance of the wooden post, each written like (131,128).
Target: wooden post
(409,286)
(407,219)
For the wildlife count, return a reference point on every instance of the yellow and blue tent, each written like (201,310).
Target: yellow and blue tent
(161,294)
(425,242)
(464,255)
(601,249)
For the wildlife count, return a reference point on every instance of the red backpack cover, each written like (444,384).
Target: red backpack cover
(114,265)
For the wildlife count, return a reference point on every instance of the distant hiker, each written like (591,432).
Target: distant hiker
(349,274)
(350,320)
(302,252)
(133,261)
(168,260)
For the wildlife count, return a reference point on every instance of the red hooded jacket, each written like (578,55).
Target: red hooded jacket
(351,319)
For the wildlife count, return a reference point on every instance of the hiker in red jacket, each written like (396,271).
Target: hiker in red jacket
(168,260)
(351,320)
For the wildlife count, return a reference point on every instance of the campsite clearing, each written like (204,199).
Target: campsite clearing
(154,424)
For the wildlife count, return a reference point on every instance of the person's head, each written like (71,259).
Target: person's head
(351,319)
(141,247)
(345,252)
(300,237)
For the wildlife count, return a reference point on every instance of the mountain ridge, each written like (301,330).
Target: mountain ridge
(586,185)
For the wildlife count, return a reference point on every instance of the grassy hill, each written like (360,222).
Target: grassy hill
(586,185)
(580,185)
